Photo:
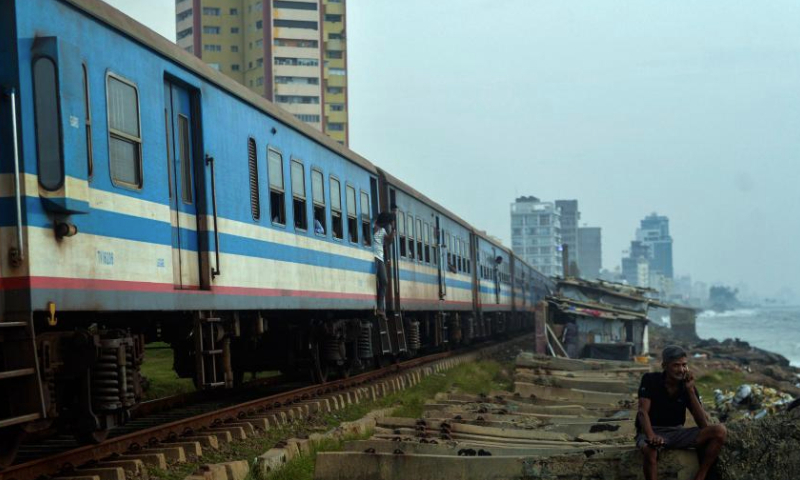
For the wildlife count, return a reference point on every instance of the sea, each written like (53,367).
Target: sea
(776,329)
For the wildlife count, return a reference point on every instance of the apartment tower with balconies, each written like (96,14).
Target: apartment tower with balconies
(294,53)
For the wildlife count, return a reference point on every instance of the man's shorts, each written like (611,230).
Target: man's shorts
(675,437)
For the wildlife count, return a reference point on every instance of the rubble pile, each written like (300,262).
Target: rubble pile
(749,402)
(768,448)
(566,420)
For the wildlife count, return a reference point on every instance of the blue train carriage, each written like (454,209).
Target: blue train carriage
(159,199)
(493,281)
(523,294)
(430,269)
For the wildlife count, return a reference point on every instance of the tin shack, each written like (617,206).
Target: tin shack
(610,319)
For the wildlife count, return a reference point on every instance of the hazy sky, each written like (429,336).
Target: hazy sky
(689,109)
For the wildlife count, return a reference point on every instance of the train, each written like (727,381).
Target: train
(147,197)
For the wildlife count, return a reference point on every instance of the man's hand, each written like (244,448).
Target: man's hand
(688,381)
(656,441)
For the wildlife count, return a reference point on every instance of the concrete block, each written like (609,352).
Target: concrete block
(248,426)
(151,459)
(314,407)
(271,460)
(223,436)
(191,449)
(172,454)
(303,445)
(236,433)
(237,470)
(211,472)
(583,396)
(104,473)
(206,441)
(133,467)
(302,408)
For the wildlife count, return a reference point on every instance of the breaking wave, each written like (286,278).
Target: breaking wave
(729,313)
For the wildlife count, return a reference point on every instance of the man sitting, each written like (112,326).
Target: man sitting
(663,400)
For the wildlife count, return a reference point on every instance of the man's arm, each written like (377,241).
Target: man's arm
(643,416)
(695,407)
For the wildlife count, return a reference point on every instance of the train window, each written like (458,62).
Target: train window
(124,133)
(427,241)
(277,202)
(410,237)
(299,196)
(48,130)
(365,220)
(401,230)
(87,122)
(447,247)
(352,215)
(337,227)
(318,200)
(434,245)
(184,151)
(252,164)
(419,240)
(459,248)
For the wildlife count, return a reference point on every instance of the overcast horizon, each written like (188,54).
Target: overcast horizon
(688,110)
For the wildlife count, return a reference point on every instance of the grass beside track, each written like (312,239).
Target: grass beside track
(474,378)
(162,379)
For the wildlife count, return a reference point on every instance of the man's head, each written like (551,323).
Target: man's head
(674,362)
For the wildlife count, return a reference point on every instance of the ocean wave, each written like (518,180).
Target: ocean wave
(744,312)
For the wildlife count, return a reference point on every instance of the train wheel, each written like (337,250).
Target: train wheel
(319,367)
(346,369)
(9,445)
(92,437)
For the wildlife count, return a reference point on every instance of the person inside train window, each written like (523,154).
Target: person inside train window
(318,228)
(382,235)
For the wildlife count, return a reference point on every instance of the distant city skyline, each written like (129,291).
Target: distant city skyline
(685,108)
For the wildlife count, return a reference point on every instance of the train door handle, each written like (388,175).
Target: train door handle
(17,255)
(210,162)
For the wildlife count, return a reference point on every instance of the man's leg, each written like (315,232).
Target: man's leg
(382,281)
(650,463)
(711,439)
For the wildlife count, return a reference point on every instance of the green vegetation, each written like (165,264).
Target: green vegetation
(302,467)
(474,378)
(720,379)
(162,379)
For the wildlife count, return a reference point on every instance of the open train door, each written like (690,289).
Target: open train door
(496,275)
(391,327)
(441,265)
(181,156)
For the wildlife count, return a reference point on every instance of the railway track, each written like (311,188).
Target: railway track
(160,411)
(162,428)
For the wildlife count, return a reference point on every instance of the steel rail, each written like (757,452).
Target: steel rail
(133,441)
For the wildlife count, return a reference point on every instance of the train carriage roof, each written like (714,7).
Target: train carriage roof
(422,197)
(162,46)
(152,40)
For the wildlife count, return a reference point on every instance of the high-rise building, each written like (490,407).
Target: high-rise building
(654,232)
(635,267)
(536,235)
(294,53)
(590,252)
(570,216)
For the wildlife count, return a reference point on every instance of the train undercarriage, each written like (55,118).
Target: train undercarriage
(82,374)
